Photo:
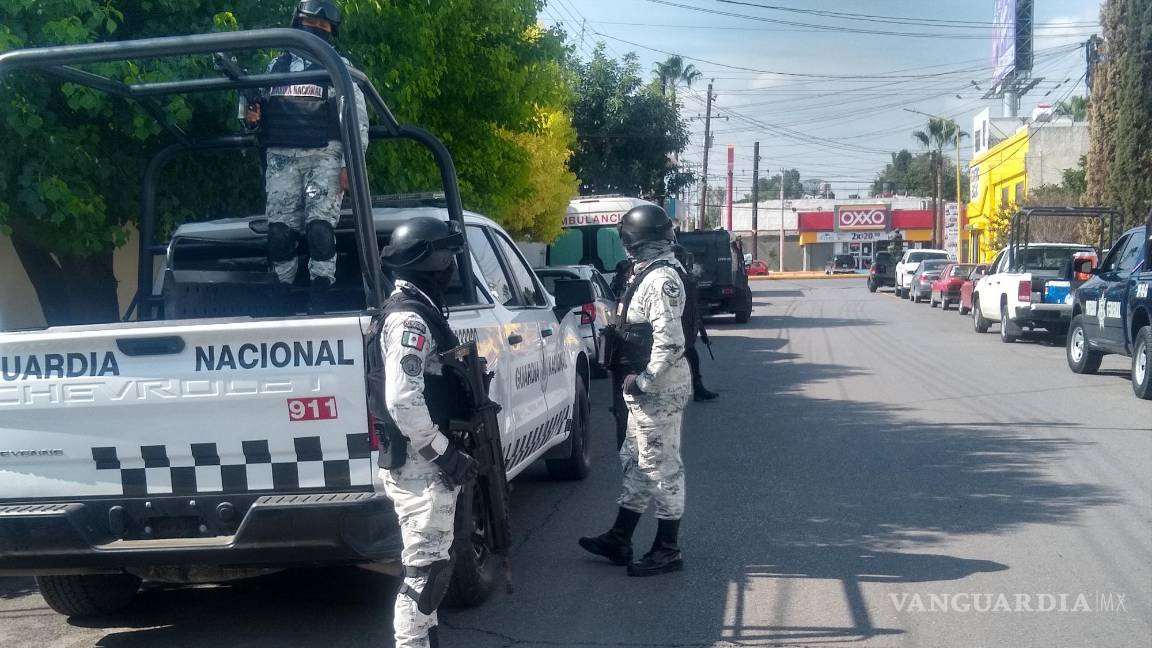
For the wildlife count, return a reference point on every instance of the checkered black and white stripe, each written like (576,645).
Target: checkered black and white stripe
(534,440)
(152,472)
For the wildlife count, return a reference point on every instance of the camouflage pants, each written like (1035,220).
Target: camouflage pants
(427,512)
(653,469)
(303,185)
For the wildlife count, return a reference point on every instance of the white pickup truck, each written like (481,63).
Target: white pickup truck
(225,435)
(1028,286)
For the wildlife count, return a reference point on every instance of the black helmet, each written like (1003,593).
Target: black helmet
(645,223)
(323,9)
(423,244)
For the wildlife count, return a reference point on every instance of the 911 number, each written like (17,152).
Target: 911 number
(312,409)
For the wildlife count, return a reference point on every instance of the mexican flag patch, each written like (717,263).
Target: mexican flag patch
(412,340)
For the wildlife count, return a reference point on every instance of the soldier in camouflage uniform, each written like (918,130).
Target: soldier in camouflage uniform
(421,469)
(656,392)
(306,175)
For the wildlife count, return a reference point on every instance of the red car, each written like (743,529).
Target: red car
(757,269)
(966,288)
(946,289)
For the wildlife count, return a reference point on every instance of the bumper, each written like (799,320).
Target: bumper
(1044,313)
(881,280)
(276,530)
(714,300)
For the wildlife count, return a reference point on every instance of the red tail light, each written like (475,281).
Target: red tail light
(587,314)
(1024,292)
(727,291)
(373,439)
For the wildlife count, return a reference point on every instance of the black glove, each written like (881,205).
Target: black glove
(631,387)
(456,467)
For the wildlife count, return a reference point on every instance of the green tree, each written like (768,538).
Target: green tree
(769,187)
(671,72)
(1076,108)
(628,133)
(1119,169)
(481,74)
(714,209)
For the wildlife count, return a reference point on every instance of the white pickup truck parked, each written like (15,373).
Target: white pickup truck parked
(1028,286)
(225,435)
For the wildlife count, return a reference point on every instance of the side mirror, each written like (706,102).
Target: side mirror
(572,293)
(1084,268)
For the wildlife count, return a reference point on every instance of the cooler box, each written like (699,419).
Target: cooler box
(1056,292)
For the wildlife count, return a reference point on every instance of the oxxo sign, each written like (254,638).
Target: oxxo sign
(851,218)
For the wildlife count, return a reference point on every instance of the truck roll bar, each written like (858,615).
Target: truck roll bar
(57,62)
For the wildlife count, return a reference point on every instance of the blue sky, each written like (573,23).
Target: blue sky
(840,129)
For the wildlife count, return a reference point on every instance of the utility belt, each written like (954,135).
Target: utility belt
(628,349)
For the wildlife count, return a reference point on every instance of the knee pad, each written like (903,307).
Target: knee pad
(281,242)
(321,240)
(437,578)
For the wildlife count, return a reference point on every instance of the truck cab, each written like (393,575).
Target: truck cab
(1111,311)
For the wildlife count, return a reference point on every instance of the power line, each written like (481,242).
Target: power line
(895,20)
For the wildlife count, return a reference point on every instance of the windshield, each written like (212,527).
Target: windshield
(917,257)
(960,271)
(932,266)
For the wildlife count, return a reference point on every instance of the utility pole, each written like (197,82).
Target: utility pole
(704,167)
(782,172)
(755,195)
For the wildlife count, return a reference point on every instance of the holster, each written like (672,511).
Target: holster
(632,348)
(393,446)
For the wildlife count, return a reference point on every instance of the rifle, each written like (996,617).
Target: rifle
(250,98)
(707,341)
(480,437)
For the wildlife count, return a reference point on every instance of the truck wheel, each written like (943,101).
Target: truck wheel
(1006,326)
(474,574)
(1081,358)
(88,594)
(743,316)
(578,464)
(979,323)
(1142,364)
(872,286)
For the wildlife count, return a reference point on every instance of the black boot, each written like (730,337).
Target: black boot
(616,544)
(318,295)
(665,554)
(434,637)
(700,393)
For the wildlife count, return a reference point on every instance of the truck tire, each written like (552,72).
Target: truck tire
(743,316)
(979,323)
(1007,328)
(1142,364)
(474,574)
(88,595)
(578,464)
(1081,358)
(872,286)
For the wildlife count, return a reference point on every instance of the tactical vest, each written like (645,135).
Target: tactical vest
(634,340)
(441,394)
(300,115)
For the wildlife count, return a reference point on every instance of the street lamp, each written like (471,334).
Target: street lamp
(956,130)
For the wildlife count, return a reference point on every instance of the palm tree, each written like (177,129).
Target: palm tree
(940,133)
(1076,108)
(673,72)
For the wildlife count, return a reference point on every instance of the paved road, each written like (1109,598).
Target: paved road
(869,461)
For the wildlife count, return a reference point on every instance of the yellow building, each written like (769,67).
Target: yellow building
(999,179)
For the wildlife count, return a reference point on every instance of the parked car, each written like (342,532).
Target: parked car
(946,289)
(1028,286)
(593,317)
(908,264)
(1112,312)
(882,272)
(841,263)
(920,284)
(757,269)
(965,303)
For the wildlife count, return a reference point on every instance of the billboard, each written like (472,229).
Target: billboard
(854,218)
(1004,40)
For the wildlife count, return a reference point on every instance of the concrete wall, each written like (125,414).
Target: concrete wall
(19,306)
(1057,146)
(768,247)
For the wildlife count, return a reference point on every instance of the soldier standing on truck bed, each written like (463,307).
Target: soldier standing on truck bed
(649,338)
(306,175)
(421,468)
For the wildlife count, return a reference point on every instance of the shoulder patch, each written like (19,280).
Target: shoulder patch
(671,288)
(412,340)
(416,325)
(412,365)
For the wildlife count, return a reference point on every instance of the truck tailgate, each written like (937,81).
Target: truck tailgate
(188,407)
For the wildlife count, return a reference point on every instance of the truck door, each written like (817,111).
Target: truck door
(523,373)
(1121,281)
